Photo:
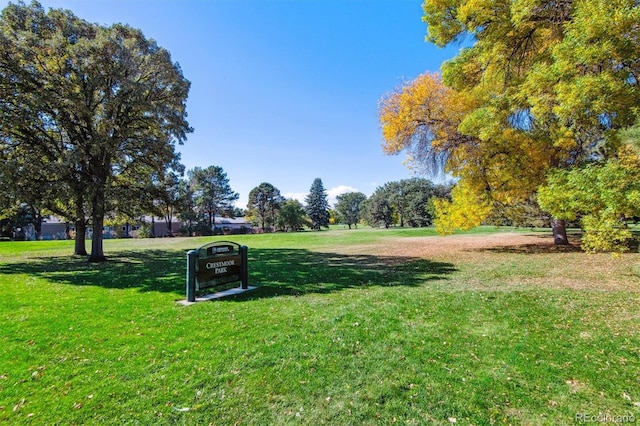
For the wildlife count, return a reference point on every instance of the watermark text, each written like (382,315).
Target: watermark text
(604,418)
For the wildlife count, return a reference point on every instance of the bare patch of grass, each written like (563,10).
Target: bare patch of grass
(522,260)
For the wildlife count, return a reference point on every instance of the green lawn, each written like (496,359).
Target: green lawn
(347,327)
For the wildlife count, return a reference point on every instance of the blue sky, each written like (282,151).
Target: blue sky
(284,91)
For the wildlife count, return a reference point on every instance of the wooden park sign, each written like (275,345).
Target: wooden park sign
(216,264)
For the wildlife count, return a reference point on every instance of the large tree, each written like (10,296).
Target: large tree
(317,205)
(168,197)
(264,202)
(541,86)
(378,210)
(419,194)
(291,216)
(349,207)
(94,106)
(213,193)
(187,211)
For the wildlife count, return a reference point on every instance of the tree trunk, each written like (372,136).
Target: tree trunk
(80,243)
(37,221)
(168,217)
(559,228)
(97,252)
(81,227)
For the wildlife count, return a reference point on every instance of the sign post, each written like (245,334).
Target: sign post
(192,259)
(215,264)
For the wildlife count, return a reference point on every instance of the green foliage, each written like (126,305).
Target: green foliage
(89,114)
(540,87)
(522,214)
(605,232)
(169,199)
(378,210)
(212,194)
(631,136)
(405,202)
(349,207)
(264,202)
(291,216)
(603,195)
(145,230)
(317,205)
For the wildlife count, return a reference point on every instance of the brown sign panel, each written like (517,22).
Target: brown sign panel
(218,270)
(219,263)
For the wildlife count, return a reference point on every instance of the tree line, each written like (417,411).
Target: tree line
(407,202)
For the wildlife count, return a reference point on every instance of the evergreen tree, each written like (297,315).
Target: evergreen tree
(212,193)
(317,205)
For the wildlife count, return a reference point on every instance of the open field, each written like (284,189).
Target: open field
(348,327)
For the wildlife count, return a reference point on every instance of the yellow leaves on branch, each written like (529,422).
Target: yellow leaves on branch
(422,117)
(470,205)
(411,109)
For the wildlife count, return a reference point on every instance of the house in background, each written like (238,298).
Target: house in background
(54,228)
(232,225)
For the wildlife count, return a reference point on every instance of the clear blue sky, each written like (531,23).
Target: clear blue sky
(284,91)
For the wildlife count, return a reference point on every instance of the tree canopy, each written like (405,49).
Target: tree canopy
(405,202)
(349,207)
(212,193)
(291,216)
(538,86)
(264,202)
(95,109)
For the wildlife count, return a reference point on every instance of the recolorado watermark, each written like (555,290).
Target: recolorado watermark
(604,418)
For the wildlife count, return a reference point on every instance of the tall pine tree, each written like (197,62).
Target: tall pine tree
(317,205)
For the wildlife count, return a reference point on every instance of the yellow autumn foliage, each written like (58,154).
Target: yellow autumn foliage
(469,207)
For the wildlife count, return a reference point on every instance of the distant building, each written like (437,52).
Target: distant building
(54,228)
(232,225)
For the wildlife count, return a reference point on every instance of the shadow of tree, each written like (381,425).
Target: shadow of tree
(544,245)
(534,249)
(276,272)
(297,272)
(148,270)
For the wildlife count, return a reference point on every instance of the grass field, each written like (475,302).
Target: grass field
(347,327)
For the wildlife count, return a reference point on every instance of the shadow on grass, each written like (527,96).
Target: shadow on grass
(535,249)
(296,272)
(546,245)
(276,272)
